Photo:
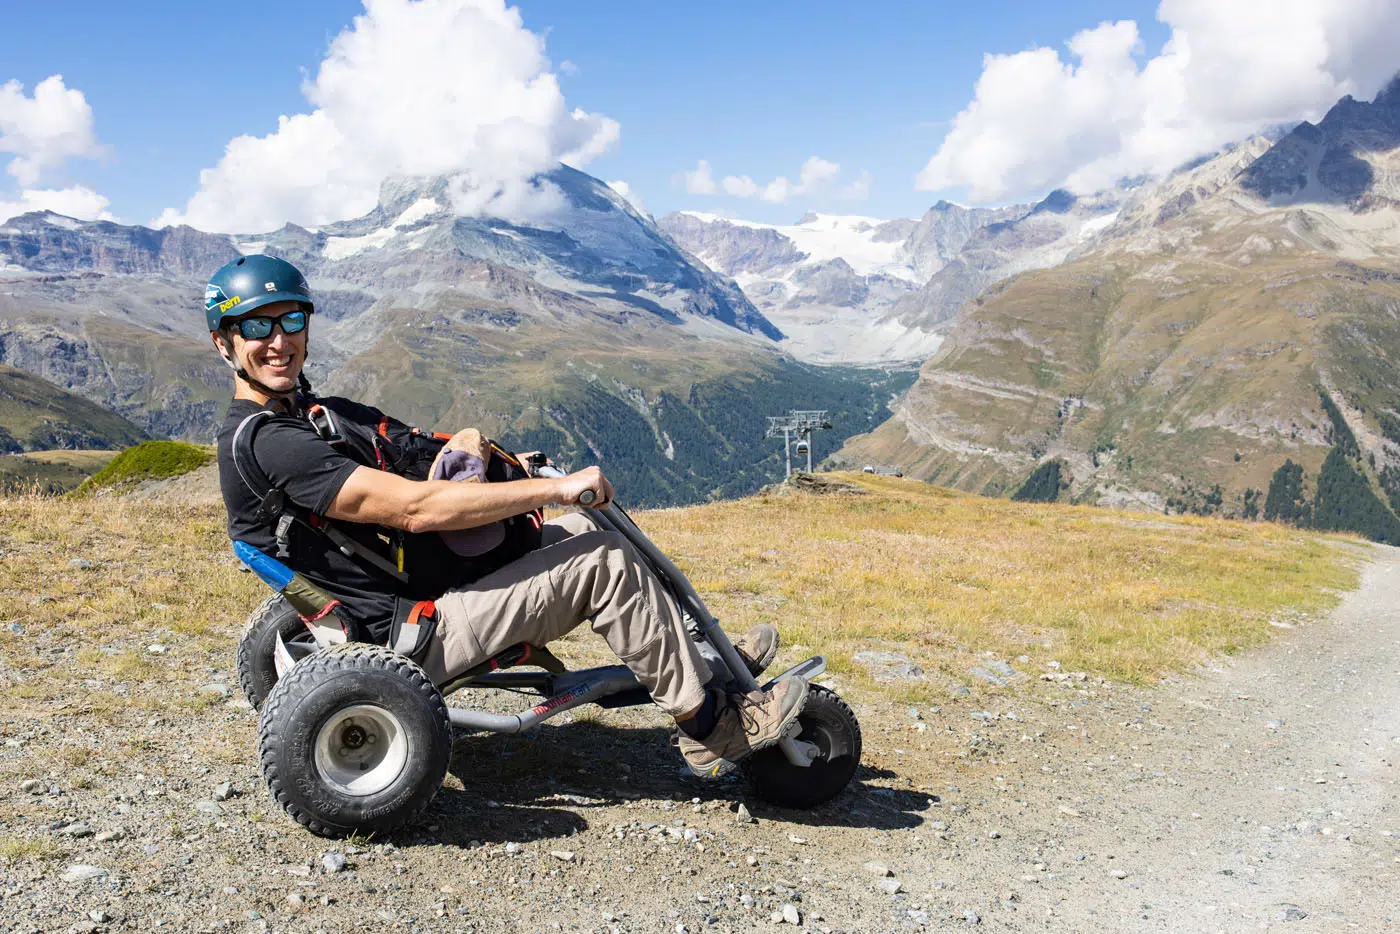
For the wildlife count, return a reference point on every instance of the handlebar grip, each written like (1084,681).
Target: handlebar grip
(587,498)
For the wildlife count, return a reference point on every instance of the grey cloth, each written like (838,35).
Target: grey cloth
(469,543)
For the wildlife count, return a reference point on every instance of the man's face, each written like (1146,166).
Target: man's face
(275,360)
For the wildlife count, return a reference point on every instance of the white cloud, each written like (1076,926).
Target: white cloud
(46,130)
(631,196)
(79,202)
(1038,120)
(411,87)
(814,175)
(698,181)
(858,190)
(739,186)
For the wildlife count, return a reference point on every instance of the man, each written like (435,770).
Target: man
(258,310)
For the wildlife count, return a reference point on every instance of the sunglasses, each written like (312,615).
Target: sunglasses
(257,328)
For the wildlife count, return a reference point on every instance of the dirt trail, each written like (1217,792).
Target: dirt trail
(1258,794)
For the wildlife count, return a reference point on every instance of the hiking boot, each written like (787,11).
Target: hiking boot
(758,647)
(744,725)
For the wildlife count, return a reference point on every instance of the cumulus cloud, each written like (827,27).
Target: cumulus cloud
(858,190)
(78,201)
(630,194)
(697,181)
(42,133)
(1038,120)
(814,176)
(815,173)
(411,87)
(46,130)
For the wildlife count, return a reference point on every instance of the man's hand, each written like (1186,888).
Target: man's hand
(590,478)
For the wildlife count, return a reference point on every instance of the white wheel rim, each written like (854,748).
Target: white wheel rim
(361,750)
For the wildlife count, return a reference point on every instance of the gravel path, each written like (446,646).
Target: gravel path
(1257,794)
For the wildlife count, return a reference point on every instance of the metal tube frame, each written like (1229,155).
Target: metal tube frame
(571,689)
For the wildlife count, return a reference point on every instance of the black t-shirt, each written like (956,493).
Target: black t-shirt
(311,473)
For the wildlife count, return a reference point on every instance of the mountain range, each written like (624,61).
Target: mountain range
(1196,341)
(584,331)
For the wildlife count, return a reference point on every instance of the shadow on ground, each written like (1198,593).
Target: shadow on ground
(544,784)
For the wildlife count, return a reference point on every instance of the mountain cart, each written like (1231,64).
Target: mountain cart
(355,738)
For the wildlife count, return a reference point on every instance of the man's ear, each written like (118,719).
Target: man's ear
(221,345)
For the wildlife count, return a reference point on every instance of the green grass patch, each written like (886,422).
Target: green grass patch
(150,460)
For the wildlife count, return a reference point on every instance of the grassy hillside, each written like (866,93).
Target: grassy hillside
(1155,378)
(50,471)
(37,415)
(938,576)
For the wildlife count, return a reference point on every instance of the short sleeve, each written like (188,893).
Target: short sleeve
(309,470)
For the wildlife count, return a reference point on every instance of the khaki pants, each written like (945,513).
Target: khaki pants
(581,572)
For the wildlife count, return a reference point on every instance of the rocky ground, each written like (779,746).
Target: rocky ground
(1255,794)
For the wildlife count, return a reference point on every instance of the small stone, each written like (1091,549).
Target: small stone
(223,791)
(1118,874)
(751,860)
(914,713)
(79,872)
(1068,811)
(701,897)
(208,808)
(99,916)
(796,840)
(878,869)
(938,826)
(742,816)
(986,716)
(78,829)
(332,862)
(296,901)
(994,835)
(81,564)
(1292,913)
(564,856)
(17,627)
(33,786)
(961,690)
(971,917)
(109,836)
(890,886)
(791,915)
(512,848)
(155,648)
(217,688)
(746,900)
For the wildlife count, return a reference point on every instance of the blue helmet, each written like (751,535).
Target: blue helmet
(250,282)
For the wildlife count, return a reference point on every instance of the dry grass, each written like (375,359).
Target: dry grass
(944,577)
(28,849)
(939,576)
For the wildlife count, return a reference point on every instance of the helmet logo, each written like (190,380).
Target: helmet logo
(213,294)
(270,286)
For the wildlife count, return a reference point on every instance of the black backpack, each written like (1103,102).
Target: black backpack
(397,448)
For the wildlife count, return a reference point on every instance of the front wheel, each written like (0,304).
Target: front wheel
(354,739)
(827,722)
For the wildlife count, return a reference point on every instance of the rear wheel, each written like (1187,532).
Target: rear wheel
(355,739)
(828,723)
(257,670)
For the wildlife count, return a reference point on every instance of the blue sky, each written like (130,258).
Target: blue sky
(754,89)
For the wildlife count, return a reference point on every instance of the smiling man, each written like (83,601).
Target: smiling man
(370,533)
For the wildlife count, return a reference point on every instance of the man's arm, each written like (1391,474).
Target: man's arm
(381,498)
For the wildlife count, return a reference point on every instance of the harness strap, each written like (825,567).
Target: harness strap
(406,640)
(274,505)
